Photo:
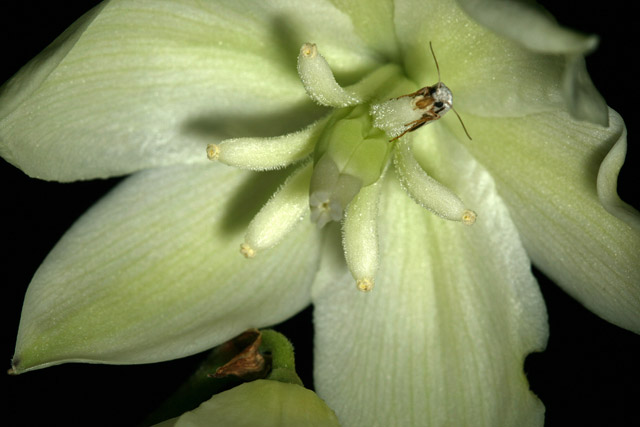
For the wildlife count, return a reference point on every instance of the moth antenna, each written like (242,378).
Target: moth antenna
(462,123)
(436,61)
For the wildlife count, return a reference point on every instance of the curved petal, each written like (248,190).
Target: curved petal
(260,403)
(154,272)
(489,75)
(373,22)
(442,338)
(543,34)
(150,83)
(547,168)
(495,76)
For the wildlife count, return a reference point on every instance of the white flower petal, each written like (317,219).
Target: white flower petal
(547,168)
(529,25)
(154,272)
(150,83)
(535,29)
(373,22)
(442,338)
(489,74)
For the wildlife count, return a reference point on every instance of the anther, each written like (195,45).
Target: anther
(469,217)
(364,285)
(247,251)
(310,50)
(213,151)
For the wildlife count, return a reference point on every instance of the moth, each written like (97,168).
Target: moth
(432,101)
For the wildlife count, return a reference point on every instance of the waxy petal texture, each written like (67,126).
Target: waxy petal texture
(442,338)
(151,83)
(154,272)
(548,169)
(544,35)
(488,74)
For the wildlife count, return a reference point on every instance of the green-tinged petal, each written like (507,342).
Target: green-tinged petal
(260,403)
(488,74)
(151,83)
(373,22)
(607,182)
(529,25)
(533,28)
(550,170)
(441,339)
(154,272)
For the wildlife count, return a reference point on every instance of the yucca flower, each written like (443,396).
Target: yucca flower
(152,272)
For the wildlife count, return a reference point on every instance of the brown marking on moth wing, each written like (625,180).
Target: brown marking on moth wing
(424,103)
(426,118)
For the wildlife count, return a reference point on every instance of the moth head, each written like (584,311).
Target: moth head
(442,98)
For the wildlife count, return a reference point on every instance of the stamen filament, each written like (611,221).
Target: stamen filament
(426,191)
(319,82)
(360,236)
(267,153)
(280,214)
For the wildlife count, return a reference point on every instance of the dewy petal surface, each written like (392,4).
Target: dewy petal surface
(373,22)
(546,167)
(154,272)
(150,83)
(442,338)
(530,26)
(488,74)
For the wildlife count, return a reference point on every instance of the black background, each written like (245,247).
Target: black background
(588,375)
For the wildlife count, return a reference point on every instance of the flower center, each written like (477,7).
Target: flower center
(343,158)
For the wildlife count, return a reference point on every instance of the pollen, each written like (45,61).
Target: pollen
(213,151)
(309,50)
(364,285)
(247,251)
(469,217)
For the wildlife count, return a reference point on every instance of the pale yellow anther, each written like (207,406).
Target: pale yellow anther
(213,151)
(309,50)
(247,251)
(468,217)
(364,285)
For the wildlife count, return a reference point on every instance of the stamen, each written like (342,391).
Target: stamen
(394,115)
(364,285)
(319,82)
(281,213)
(267,153)
(360,236)
(213,151)
(426,191)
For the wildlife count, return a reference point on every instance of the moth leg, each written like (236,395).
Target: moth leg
(426,118)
